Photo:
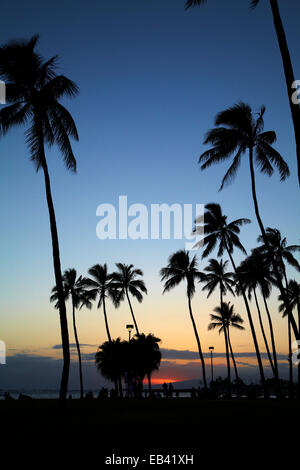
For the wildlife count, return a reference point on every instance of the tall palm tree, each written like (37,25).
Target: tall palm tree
(34,90)
(149,353)
(255,273)
(226,318)
(181,268)
(287,66)
(293,295)
(217,231)
(109,361)
(238,131)
(81,297)
(283,254)
(126,282)
(216,277)
(102,286)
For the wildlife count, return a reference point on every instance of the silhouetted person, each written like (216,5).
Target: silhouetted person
(193,392)
(165,390)
(170,390)
(70,396)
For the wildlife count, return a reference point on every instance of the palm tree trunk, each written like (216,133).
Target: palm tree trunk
(258,356)
(58,275)
(276,375)
(133,318)
(226,347)
(198,343)
(228,361)
(263,333)
(233,359)
(291,379)
(106,322)
(266,242)
(289,75)
(149,384)
(78,351)
(272,336)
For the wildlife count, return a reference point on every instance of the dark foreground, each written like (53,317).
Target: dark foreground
(150,425)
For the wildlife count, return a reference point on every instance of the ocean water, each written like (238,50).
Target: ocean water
(54,394)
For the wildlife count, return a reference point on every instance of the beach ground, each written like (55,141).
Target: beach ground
(149,425)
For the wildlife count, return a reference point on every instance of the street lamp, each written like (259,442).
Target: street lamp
(211,348)
(129,328)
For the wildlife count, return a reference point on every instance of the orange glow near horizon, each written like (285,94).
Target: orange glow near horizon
(160,381)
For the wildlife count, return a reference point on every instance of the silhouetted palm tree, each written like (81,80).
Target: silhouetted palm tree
(282,254)
(255,272)
(288,71)
(102,286)
(226,318)
(287,65)
(81,297)
(237,133)
(34,89)
(109,361)
(215,276)
(149,354)
(181,268)
(217,231)
(293,295)
(126,282)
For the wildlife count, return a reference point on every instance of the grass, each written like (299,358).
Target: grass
(154,425)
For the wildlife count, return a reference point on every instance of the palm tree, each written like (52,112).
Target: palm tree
(126,282)
(217,231)
(255,273)
(34,89)
(217,277)
(287,65)
(293,295)
(103,286)
(150,355)
(76,289)
(282,254)
(109,361)
(181,268)
(237,133)
(226,318)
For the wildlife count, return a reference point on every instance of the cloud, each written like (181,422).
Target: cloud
(73,346)
(194,355)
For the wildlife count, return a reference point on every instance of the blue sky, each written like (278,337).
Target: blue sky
(152,78)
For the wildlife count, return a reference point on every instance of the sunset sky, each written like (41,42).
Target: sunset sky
(152,77)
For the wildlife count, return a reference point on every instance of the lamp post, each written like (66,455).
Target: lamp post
(129,328)
(211,348)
